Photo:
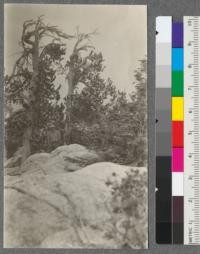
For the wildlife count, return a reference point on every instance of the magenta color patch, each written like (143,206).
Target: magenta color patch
(177,159)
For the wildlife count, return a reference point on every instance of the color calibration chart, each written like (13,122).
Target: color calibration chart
(178,130)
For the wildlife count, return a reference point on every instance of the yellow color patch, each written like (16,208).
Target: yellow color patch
(177,109)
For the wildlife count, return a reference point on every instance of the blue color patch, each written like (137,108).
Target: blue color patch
(177,59)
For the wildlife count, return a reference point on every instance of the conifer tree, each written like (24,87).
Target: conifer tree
(31,83)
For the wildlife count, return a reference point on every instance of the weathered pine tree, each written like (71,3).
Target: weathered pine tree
(42,49)
(78,66)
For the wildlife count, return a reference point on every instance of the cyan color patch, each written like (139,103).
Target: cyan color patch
(177,59)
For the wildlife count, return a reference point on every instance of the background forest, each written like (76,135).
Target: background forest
(94,113)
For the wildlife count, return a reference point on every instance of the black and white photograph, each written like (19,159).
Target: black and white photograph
(75,126)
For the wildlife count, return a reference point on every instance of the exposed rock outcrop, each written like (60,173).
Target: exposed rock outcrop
(64,158)
(47,206)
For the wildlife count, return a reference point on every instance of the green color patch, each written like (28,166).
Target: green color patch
(177,83)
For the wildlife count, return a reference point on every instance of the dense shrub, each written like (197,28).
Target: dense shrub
(129,207)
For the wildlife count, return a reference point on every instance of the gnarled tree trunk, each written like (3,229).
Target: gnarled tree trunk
(33,88)
(76,65)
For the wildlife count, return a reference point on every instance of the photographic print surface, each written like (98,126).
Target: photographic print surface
(75,111)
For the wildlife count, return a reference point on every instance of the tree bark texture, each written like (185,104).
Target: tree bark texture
(33,88)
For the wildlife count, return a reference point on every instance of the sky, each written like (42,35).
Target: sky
(122,34)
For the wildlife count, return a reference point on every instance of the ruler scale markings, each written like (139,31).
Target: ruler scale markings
(192,96)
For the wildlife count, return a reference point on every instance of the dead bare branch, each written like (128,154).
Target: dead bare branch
(81,37)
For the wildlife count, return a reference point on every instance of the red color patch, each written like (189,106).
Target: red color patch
(177,134)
